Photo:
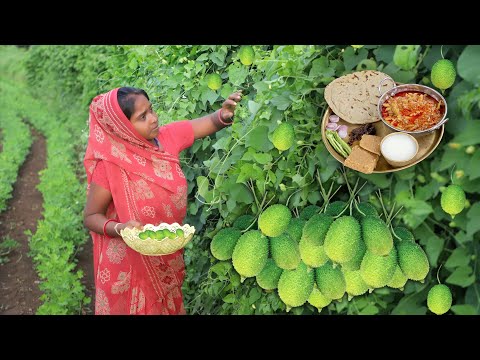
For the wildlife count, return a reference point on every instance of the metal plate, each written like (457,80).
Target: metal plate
(427,143)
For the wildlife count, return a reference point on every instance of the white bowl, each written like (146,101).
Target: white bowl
(403,162)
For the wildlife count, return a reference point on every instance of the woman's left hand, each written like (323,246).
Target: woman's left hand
(229,105)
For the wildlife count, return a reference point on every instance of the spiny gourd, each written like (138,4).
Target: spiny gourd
(179,232)
(443,74)
(412,260)
(376,235)
(303,243)
(311,254)
(283,136)
(355,285)
(342,239)
(308,211)
(364,209)
(401,233)
(224,242)
(160,234)
(356,261)
(274,220)
(295,229)
(316,229)
(378,270)
(285,252)
(453,200)
(317,299)
(250,254)
(295,286)
(330,281)
(214,81)
(439,299)
(398,279)
(269,276)
(246,55)
(243,222)
(335,208)
(144,235)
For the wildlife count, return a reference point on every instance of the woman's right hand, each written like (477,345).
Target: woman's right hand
(130,224)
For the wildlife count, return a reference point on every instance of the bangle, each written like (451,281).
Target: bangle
(220,119)
(115,228)
(105,228)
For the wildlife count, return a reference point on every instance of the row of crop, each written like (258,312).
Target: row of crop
(16,142)
(16,139)
(60,233)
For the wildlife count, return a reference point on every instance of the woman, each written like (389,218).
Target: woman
(134,178)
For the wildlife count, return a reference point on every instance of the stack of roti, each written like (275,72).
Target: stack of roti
(354,97)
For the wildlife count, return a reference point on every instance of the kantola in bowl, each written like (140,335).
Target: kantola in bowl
(162,239)
(412,108)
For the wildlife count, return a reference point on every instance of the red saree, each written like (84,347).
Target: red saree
(148,185)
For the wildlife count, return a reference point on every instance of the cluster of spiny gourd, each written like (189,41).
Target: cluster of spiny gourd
(160,234)
(322,254)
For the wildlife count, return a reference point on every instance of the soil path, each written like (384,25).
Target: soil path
(85,262)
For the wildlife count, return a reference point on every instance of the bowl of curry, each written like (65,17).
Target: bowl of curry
(412,108)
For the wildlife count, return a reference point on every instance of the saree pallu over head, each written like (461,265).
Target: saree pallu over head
(148,185)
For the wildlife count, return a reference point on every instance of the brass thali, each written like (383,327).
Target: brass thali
(427,143)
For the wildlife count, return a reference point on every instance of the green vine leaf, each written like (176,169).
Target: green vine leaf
(237,73)
(468,64)
(459,257)
(473,214)
(258,139)
(462,276)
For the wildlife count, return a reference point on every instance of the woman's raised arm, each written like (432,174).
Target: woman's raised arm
(211,123)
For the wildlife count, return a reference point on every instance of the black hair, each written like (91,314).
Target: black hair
(126,99)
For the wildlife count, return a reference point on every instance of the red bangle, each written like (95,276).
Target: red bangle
(105,228)
(220,119)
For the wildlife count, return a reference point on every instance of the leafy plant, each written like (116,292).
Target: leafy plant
(6,246)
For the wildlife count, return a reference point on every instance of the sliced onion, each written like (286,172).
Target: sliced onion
(333,118)
(342,131)
(332,126)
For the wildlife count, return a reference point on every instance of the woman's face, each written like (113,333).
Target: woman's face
(144,119)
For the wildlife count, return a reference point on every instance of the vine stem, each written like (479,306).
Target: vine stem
(398,211)
(358,209)
(438,272)
(178,98)
(344,174)
(225,157)
(326,196)
(422,56)
(288,200)
(352,192)
(443,227)
(441,52)
(451,173)
(252,189)
(222,161)
(379,195)
(269,201)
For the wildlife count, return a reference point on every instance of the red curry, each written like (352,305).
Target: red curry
(412,111)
